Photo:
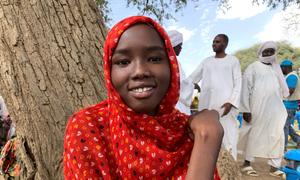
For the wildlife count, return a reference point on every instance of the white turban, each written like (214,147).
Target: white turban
(175,37)
(275,65)
(264,46)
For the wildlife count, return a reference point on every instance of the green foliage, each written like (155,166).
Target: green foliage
(163,9)
(247,56)
(104,9)
(285,51)
(275,3)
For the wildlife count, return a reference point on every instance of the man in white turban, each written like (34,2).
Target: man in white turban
(186,87)
(264,113)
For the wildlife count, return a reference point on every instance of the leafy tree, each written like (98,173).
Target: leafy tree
(163,9)
(275,3)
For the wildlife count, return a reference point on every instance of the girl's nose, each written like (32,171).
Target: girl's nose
(141,70)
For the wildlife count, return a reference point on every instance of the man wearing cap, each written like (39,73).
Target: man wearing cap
(291,102)
(186,87)
(221,81)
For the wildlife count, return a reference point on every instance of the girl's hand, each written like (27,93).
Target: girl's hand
(206,122)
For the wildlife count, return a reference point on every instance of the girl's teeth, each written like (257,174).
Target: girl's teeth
(142,89)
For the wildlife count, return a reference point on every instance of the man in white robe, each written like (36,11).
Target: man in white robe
(220,77)
(186,87)
(264,113)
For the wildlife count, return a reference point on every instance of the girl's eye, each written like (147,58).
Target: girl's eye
(155,59)
(122,62)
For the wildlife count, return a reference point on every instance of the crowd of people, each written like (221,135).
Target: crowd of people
(146,128)
(264,100)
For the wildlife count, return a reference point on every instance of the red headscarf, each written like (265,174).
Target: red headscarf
(110,140)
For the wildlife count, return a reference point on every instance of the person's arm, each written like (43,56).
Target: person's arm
(208,134)
(291,90)
(197,74)
(186,89)
(234,100)
(247,86)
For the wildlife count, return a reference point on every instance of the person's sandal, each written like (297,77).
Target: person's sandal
(278,173)
(248,170)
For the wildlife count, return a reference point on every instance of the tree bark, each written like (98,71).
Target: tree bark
(50,67)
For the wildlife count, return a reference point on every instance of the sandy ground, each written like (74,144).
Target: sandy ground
(262,168)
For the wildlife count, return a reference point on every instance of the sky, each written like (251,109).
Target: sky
(245,24)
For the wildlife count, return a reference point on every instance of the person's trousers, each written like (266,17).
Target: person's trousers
(288,129)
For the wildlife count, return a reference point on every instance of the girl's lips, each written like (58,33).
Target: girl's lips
(142,93)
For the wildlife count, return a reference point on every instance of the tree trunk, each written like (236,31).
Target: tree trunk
(50,67)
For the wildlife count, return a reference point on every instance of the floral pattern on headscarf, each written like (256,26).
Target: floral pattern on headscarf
(111,141)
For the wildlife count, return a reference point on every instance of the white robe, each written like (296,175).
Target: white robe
(186,93)
(262,96)
(3,108)
(221,83)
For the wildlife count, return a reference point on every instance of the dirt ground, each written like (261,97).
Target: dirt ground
(262,168)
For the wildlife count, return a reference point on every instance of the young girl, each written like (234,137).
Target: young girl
(137,133)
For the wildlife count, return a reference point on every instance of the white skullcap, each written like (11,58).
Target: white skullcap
(175,37)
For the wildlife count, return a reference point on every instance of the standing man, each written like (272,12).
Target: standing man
(262,133)
(220,77)
(186,87)
(291,102)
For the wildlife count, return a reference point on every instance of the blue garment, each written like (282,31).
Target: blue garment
(289,130)
(297,118)
(240,119)
(291,81)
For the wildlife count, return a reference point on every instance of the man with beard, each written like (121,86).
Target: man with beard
(220,77)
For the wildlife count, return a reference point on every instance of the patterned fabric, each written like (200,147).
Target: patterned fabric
(8,161)
(110,141)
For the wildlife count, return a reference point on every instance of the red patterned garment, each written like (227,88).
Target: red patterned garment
(111,141)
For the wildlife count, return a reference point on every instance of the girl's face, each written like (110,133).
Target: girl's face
(140,69)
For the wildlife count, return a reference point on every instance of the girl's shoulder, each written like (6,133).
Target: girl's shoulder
(91,116)
(94,110)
